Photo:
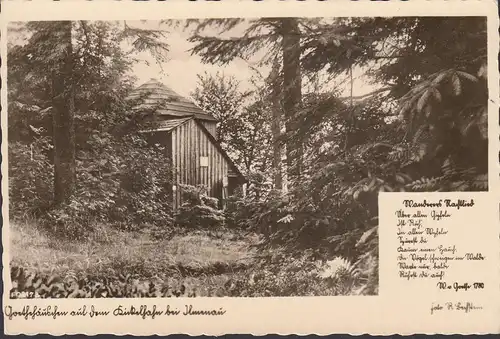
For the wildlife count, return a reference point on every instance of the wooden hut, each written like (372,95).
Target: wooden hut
(189,136)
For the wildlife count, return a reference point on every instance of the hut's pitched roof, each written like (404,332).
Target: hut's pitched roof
(171,124)
(167,125)
(155,94)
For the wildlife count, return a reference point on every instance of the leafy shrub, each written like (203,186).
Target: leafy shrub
(69,220)
(281,274)
(198,210)
(193,195)
(30,178)
(239,212)
(144,197)
(340,273)
(122,181)
(199,216)
(210,201)
(132,181)
(261,216)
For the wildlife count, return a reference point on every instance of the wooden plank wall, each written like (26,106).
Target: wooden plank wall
(211,126)
(189,143)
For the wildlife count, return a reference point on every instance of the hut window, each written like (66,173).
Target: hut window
(204,161)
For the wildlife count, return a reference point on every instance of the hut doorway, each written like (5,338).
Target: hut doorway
(232,185)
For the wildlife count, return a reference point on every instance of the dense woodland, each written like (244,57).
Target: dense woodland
(315,159)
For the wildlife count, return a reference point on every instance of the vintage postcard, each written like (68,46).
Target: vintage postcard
(250,167)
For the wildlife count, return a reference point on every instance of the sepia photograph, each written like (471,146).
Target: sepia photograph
(231,157)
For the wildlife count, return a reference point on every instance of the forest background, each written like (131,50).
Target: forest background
(315,153)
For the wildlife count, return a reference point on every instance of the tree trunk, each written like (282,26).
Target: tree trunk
(292,90)
(63,119)
(276,124)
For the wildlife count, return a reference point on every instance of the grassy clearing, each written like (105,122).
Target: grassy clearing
(197,258)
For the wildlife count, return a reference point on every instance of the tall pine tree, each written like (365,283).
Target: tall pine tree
(63,103)
(281,38)
(58,72)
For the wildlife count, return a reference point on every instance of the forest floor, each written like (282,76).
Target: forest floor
(197,258)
